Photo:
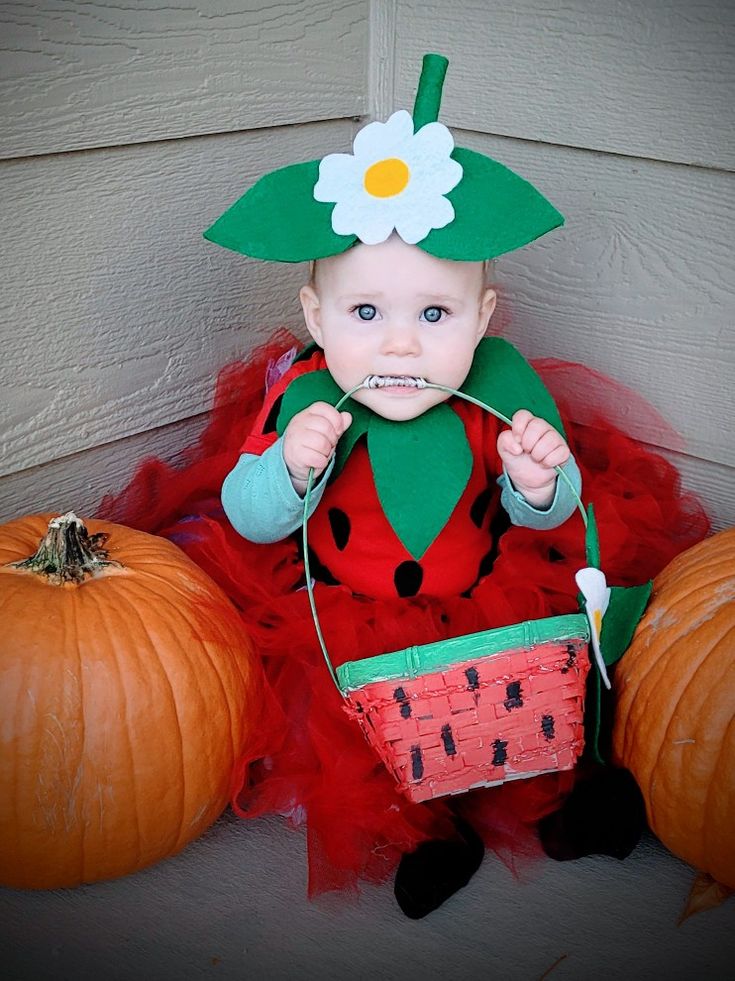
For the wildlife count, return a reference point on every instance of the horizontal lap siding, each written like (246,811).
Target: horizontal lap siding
(646,78)
(118,313)
(623,113)
(79,482)
(75,75)
(637,284)
(126,130)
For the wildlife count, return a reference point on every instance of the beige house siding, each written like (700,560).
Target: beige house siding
(84,75)
(127,129)
(624,114)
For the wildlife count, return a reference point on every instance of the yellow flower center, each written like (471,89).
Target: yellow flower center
(386,178)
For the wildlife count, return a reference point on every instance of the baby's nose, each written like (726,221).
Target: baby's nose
(400,339)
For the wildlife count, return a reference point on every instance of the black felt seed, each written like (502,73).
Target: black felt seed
(500,754)
(408,578)
(340,525)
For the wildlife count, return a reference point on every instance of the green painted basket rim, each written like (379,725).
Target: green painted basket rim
(413,661)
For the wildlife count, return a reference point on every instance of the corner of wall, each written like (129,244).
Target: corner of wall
(382,58)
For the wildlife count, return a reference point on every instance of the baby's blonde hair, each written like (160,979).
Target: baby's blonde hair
(488,272)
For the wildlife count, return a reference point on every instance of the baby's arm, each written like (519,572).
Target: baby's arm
(259,499)
(310,439)
(530,450)
(532,493)
(262,497)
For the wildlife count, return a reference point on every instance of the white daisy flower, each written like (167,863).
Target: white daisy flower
(394,179)
(593,586)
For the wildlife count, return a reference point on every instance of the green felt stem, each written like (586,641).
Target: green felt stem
(429,93)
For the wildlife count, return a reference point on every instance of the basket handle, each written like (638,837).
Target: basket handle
(589,523)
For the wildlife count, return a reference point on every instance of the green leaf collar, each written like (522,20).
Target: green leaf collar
(421,467)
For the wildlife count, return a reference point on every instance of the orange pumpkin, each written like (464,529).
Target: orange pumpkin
(127,691)
(675,717)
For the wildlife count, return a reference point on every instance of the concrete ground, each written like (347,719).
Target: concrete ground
(233,905)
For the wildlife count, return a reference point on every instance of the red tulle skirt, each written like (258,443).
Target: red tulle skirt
(308,761)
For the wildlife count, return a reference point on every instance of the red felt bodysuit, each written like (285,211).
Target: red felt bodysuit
(310,761)
(353,539)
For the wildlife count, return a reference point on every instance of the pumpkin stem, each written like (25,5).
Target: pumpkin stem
(67,553)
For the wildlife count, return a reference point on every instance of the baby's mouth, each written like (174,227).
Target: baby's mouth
(394,381)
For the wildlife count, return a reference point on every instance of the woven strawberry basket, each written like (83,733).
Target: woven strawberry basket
(472,711)
(477,710)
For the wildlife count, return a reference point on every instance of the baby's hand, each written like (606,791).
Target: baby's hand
(530,450)
(309,441)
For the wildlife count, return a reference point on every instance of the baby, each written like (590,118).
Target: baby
(413,485)
(392,310)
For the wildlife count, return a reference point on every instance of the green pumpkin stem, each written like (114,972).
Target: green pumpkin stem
(67,552)
(429,93)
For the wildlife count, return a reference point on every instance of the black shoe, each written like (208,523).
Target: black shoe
(428,876)
(604,815)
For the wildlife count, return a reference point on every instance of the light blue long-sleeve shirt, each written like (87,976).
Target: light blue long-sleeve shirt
(262,505)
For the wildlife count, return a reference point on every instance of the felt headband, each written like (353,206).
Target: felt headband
(404,175)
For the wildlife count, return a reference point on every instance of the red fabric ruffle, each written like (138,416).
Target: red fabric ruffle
(309,761)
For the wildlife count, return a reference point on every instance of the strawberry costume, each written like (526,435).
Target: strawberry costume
(350,533)
(411,541)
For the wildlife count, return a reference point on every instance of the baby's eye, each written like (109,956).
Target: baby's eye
(366,311)
(433,314)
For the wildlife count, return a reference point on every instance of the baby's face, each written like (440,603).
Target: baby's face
(392,309)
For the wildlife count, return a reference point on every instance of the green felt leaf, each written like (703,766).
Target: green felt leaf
(306,351)
(319,386)
(501,377)
(496,212)
(315,386)
(627,606)
(278,218)
(592,539)
(593,717)
(421,468)
(358,427)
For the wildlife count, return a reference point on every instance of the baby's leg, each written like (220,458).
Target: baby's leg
(428,876)
(604,815)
